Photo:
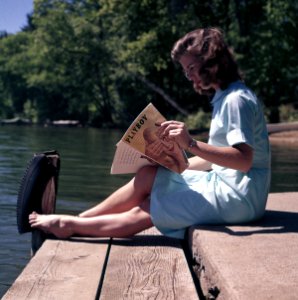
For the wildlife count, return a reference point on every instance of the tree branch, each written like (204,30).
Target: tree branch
(162,93)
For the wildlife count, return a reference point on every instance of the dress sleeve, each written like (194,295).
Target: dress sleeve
(239,120)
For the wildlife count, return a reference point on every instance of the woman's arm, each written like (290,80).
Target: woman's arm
(238,157)
(199,164)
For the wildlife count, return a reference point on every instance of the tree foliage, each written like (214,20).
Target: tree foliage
(101,61)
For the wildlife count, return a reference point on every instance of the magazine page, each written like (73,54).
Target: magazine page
(127,160)
(143,136)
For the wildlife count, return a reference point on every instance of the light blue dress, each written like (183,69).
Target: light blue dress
(223,195)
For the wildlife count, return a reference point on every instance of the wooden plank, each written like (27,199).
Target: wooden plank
(62,270)
(147,266)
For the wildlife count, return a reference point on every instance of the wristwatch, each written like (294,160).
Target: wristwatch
(192,144)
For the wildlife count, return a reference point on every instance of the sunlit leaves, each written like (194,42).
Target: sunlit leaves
(97,60)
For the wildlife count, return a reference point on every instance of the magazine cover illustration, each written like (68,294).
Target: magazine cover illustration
(142,144)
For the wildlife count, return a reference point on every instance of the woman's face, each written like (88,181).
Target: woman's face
(191,67)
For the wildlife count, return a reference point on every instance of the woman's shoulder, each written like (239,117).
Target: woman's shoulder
(239,92)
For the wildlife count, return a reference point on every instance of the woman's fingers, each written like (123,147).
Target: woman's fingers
(176,131)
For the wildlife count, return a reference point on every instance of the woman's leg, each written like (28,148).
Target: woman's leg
(125,198)
(113,225)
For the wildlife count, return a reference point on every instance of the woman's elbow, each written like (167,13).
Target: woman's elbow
(246,158)
(246,167)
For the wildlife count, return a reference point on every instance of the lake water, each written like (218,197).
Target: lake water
(86,156)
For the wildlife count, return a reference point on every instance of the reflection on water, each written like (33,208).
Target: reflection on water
(86,156)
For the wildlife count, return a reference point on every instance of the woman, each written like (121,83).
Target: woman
(237,153)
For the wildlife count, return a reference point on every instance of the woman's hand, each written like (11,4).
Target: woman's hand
(176,131)
(238,157)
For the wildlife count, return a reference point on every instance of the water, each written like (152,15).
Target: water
(84,180)
(86,156)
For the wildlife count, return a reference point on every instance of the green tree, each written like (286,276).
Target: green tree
(101,61)
(265,38)
(70,62)
(140,37)
(13,70)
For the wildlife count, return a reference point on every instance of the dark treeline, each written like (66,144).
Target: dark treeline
(101,61)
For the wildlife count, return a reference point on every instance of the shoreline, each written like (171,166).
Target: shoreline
(283,133)
(284,137)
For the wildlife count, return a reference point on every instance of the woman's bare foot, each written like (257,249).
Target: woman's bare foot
(59,225)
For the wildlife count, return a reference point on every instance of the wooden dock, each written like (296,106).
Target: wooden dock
(146,266)
(252,261)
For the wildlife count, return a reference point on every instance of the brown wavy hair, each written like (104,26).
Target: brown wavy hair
(217,62)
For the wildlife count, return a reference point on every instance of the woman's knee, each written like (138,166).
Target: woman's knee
(145,177)
(141,213)
(148,171)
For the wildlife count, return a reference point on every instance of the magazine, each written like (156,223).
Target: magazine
(142,145)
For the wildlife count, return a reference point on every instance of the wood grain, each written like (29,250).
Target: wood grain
(148,266)
(62,270)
